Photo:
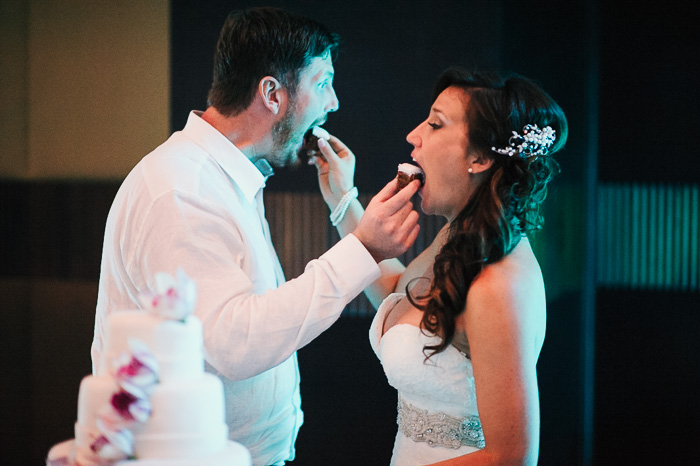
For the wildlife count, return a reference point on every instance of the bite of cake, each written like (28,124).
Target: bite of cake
(310,146)
(408,172)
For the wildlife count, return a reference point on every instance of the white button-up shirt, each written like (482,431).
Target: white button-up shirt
(195,203)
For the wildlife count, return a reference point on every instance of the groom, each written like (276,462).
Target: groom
(196,203)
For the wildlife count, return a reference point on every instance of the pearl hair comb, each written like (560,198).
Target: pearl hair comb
(533,142)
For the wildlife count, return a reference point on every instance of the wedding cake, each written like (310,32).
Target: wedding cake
(151,403)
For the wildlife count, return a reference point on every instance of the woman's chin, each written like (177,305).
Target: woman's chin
(425,206)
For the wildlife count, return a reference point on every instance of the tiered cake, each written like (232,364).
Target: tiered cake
(152,403)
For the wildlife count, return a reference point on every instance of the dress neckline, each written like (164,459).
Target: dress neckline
(396,297)
(383,312)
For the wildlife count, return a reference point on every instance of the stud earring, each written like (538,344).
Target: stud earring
(470,170)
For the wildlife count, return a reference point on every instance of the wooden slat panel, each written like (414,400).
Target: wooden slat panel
(648,236)
(301,231)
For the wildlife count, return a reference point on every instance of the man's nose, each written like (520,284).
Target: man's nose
(333,103)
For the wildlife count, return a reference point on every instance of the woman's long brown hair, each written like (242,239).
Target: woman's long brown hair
(505,206)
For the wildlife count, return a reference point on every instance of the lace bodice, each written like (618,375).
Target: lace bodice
(443,384)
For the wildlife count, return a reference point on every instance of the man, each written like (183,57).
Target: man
(196,203)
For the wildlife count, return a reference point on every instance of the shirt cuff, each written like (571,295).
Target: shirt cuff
(354,263)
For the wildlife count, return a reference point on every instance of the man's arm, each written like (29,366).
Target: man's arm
(246,331)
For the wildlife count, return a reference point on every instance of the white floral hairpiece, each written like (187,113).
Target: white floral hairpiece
(533,142)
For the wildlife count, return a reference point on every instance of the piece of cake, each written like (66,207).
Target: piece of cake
(310,146)
(152,403)
(407,173)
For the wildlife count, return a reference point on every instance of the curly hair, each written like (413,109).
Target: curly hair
(505,206)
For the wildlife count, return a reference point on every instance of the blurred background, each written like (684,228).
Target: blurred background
(87,88)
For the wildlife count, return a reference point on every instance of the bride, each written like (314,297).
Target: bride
(459,330)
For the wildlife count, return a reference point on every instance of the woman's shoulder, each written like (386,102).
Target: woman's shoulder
(508,295)
(515,279)
(517,266)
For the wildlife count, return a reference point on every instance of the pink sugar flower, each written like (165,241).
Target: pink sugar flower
(113,445)
(131,403)
(173,298)
(113,420)
(138,367)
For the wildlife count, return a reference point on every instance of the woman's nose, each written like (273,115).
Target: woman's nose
(413,138)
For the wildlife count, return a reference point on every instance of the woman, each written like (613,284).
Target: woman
(459,330)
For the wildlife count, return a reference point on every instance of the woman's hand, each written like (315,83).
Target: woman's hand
(337,172)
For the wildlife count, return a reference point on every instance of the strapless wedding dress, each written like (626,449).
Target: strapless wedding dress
(437,412)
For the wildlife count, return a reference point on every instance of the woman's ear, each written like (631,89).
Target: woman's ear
(479,163)
(272,93)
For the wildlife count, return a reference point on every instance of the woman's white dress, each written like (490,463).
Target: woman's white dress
(437,408)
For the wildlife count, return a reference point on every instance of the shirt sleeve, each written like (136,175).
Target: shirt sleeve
(245,333)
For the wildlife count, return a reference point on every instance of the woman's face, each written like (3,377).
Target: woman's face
(440,148)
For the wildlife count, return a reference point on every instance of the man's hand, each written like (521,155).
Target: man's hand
(389,225)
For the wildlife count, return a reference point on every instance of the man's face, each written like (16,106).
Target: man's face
(309,106)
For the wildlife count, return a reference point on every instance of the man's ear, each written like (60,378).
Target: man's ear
(273,94)
(480,163)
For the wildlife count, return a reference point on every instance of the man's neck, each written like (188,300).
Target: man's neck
(247,130)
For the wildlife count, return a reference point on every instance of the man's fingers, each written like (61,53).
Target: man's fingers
(404,211)
(412,235)
(386,192)
(409,221)
(398,200)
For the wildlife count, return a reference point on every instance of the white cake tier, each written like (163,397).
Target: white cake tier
(176,345)
(234,454)
(187,418)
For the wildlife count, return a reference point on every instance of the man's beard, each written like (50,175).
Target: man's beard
(286,142)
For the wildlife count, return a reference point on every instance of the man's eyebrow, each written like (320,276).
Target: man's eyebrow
(322,75)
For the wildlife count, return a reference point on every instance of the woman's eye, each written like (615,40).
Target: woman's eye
(434,125)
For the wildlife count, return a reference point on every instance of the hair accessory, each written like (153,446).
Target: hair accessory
(533,142)
(342,207)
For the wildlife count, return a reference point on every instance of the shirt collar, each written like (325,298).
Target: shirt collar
(248,176)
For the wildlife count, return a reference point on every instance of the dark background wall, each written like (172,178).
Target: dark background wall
(620,371)
(647,358)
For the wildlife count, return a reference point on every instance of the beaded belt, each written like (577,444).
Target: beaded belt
(439,429)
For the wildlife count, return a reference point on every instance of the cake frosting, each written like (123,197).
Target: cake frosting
(151,402)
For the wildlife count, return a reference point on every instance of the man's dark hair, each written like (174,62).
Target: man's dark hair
(261,42)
